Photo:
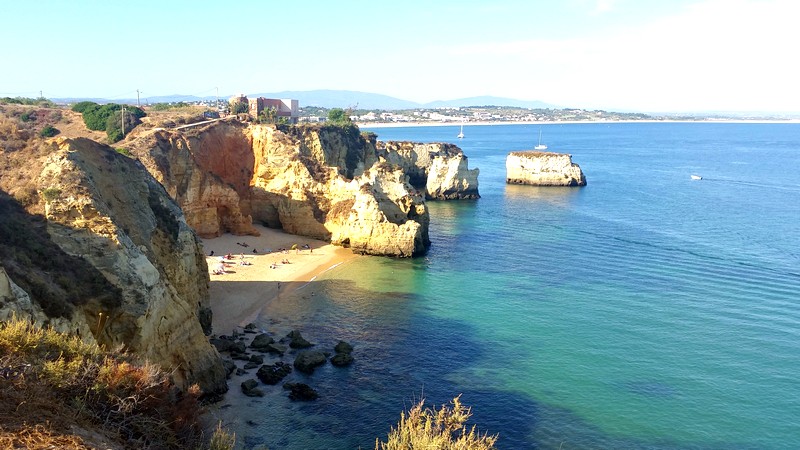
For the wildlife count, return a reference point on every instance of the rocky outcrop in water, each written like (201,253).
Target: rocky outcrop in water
(439,170)
(107,213)
(326,182)
(543,169)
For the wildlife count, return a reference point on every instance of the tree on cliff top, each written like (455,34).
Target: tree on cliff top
(338,116)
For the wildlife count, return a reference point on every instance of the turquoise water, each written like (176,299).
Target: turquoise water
(645,310)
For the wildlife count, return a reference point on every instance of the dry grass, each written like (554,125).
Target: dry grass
(59,392)
(442,429)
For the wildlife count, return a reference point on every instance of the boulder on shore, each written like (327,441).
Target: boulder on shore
(297,340)
(261,342)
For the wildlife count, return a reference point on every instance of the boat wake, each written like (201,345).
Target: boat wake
(783,187)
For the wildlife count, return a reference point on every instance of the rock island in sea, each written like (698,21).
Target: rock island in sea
(543,169)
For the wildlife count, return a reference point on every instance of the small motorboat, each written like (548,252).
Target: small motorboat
(697,177)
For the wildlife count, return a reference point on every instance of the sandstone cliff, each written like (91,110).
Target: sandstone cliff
(543,169)
(441,170)
(105,214)
(327,182)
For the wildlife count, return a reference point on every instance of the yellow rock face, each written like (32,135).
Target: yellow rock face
(543,169)
(325,182)
(113,214)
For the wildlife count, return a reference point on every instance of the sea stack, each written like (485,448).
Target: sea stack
(543,169)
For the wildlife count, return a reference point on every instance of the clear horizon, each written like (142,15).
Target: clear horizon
(681,56)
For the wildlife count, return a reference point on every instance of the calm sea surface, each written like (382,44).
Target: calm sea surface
(645,310)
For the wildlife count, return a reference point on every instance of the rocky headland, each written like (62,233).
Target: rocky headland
(543,169)
(327,182)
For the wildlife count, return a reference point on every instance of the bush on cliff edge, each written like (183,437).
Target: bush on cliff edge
(442,429)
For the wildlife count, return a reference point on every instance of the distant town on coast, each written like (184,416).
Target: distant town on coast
(368,109)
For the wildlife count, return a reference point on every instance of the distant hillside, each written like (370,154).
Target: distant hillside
(342,99)
(490,101)
(326,98)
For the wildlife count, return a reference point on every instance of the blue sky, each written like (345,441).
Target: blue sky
(677,55)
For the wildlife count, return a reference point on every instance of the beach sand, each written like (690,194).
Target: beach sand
(239,295)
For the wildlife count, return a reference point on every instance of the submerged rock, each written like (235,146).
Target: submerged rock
(301,392)
(250,388)
(342,359)
(343,356)
(273,373)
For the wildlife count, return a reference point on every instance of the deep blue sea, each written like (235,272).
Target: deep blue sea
(645,310)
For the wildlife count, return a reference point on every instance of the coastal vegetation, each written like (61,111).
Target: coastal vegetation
(113,118)
(338,116)
(442,429)
(60,392)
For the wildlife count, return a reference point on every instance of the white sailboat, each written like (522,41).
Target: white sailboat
(540,146)
(461,133)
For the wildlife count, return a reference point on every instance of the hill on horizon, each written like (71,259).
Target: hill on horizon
(327,98)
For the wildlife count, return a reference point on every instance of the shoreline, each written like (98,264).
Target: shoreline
(237,297)
(367,125)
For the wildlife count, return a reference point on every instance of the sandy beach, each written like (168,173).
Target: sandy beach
(250,282)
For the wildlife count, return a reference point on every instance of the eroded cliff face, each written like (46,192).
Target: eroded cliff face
(440,170)
(326,182)
(331,185)
(106,209)
(208,174)
(543,169)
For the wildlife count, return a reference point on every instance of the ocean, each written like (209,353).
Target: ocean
(645,310)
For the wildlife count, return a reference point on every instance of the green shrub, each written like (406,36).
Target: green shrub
(96,117)
(48,131)
(28,116)
(123,151)
(338,116)
(239,108)
(114,129)
(82,106)
(51,193)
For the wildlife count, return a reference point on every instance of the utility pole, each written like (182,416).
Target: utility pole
(40,94)
(137,98)
(216,103)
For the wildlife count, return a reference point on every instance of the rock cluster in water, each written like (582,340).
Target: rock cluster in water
(239,361)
